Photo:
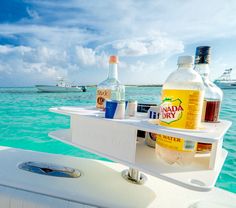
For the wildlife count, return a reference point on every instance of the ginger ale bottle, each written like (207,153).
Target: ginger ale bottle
(181,107)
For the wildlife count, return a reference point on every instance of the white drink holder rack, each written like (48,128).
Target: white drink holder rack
(117,140)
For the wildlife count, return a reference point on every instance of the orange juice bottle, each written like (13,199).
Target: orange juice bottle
(181,107)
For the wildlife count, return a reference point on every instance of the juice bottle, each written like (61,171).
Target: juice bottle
(181,107)
(153,115)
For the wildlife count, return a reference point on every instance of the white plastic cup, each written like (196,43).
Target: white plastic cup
(131,108)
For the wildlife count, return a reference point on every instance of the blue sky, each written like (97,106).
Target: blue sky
(41,39)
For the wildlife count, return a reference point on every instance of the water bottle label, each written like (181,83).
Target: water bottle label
(177,144)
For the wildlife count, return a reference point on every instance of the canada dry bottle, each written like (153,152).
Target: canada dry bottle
(213,94)
(181,107)
(111,87)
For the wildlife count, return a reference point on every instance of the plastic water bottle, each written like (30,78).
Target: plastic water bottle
(181,107)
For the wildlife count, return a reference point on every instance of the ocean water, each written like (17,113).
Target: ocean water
(25,122)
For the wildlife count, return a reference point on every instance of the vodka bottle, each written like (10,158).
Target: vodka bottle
(213,94)
(111,87)
(181,107)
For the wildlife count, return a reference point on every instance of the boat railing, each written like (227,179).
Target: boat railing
(226,76)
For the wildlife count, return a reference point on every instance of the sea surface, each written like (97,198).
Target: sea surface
(25,122)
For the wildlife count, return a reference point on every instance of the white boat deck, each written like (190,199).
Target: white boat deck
(100,185)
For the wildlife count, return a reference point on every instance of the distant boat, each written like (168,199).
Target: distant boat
(61,86)
(225,81)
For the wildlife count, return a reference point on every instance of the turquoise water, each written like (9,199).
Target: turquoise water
(25,122)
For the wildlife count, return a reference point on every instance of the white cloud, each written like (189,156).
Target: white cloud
(67,38)
(148,46)
(32,13)
(131,48)
(6,49)
(183,19)
(47,63)
(86,56)
(26,60)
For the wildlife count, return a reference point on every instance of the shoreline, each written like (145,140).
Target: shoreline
(151,85)
(128,85)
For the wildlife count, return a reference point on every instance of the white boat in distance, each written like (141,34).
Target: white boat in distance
(225,81)
(61,86)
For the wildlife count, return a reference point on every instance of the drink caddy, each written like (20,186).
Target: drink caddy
(175,158)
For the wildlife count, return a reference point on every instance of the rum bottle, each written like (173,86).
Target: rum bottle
(111,88)
(213,94)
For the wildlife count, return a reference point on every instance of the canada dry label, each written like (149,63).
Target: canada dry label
(181,108)
(102,95)
(174,143)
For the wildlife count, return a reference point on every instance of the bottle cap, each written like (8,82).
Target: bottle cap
(202,55)
(185,60)
(113,59)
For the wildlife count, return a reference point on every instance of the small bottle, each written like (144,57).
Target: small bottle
(111,87)
(153,115)
(213,94)
(181,107)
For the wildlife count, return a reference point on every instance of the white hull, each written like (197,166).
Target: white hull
(225,81)
(50,88)
(226,85)
(100,185)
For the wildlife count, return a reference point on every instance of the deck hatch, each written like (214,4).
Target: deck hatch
(50,169)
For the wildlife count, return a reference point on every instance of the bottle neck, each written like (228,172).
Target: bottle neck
(185,66)
(203,70)
(112,74)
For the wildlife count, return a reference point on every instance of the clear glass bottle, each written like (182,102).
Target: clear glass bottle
(213,94)
(111,88)
(181,107)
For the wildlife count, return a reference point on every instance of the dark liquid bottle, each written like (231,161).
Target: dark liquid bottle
(211,110)
(213,94)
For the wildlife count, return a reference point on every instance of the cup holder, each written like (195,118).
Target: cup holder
(50,169)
